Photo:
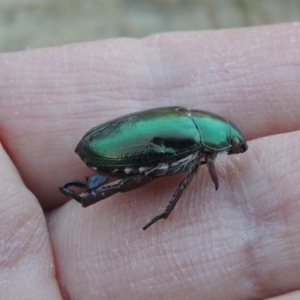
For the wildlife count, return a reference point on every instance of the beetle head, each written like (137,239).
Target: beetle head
(237,146)
(237,140)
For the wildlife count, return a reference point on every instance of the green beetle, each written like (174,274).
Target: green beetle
(139,147)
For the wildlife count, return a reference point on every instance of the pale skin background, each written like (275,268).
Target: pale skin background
(241,242)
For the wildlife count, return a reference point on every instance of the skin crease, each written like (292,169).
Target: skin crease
(241,242)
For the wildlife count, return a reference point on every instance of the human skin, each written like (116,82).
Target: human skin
(241,242)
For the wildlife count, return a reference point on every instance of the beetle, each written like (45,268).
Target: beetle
(140,147)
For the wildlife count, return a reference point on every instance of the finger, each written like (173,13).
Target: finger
(26,264)
(242,240)
(289,296)
(51,97)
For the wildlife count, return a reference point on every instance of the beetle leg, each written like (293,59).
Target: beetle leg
(93,182)
(122,186)
(212,170)
(175,197)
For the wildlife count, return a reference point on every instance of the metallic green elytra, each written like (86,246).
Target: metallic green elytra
(139,147)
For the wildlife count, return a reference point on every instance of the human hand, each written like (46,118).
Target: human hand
(240,242)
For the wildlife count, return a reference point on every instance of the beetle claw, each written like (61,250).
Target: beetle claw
(69,193)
